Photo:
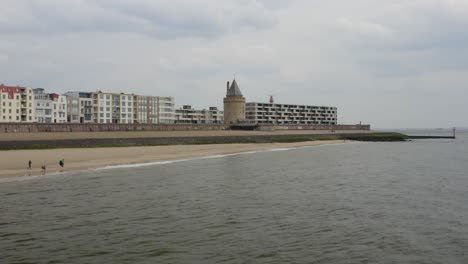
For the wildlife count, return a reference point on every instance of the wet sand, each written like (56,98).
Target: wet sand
(15,162)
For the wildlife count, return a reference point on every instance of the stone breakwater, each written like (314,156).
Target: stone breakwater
(68,127)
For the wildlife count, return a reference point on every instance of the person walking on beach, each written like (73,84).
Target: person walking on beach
(43,169)
(29,165)
(62,163)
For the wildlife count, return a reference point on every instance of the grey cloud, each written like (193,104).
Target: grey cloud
(159,19)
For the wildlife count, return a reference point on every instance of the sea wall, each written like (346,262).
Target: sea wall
(39,128)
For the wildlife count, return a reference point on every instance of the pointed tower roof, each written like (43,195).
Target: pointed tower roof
(234,89)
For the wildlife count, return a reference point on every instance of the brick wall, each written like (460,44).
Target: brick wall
(37,128)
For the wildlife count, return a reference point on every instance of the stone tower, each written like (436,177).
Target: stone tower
(234,104)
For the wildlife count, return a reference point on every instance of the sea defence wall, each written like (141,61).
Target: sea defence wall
(68,127)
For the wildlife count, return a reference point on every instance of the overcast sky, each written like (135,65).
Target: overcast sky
(394,64)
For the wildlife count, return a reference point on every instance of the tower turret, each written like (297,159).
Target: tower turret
(234,104)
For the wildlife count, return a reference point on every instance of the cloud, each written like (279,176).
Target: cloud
(159,19)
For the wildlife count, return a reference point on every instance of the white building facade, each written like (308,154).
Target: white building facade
(155,110)
(114,108)
(49,108)
(16,104)
(188,115)
(284,114)
(79,107)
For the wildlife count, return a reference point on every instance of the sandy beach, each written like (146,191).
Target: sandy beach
(15,162)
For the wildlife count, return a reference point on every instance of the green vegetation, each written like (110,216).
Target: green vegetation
(377,137)
(374,137)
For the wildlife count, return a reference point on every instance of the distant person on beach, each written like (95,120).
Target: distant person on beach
(62,163)
(43,169)
(29,165)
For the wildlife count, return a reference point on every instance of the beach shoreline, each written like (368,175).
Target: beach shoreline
(14,163)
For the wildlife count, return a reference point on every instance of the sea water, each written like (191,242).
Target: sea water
(404,202)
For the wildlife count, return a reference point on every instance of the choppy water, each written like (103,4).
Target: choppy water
(353,203)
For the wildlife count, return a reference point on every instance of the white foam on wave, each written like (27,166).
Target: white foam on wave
(282,149)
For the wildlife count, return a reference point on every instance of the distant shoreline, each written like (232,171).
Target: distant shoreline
(14,164)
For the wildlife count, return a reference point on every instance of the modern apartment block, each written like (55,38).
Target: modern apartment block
(79,107)
(16,104)
(155,109)
(116,108)
(49,107)
(188,115)
(284,114)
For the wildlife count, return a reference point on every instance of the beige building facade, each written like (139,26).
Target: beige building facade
(16,104)
(114,108)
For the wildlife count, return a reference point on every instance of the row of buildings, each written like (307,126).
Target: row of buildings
(24,104)
(236,110)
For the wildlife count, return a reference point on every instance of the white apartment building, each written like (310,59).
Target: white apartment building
(284,114)
(79,107)
(155,109)
(114,108)
(188,115)
(49,108)
(16,104)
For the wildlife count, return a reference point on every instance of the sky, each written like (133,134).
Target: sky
(393,64)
